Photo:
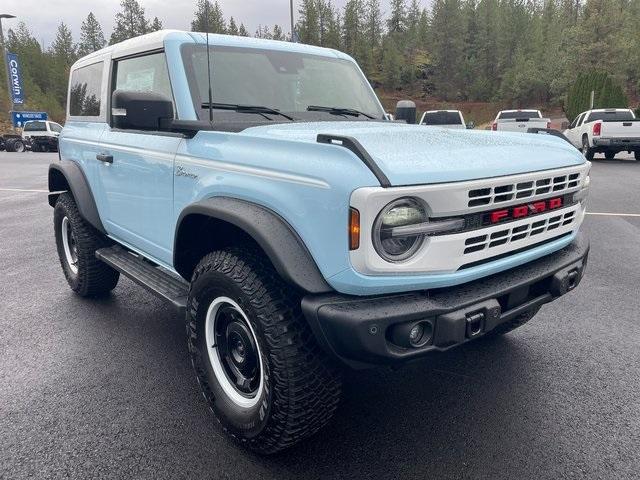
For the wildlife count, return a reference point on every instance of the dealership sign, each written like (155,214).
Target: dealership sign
(19,118)
(15,78)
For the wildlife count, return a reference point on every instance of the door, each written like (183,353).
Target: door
(136,167)
(572,131)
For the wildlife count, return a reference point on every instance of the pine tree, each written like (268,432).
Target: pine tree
(277,33)
(308,26)
(447,46)
(353,40)
(91,36)
(62,47)
(242,31)
(155,25)
(396,24)
(233,28)
(130,22)
(213,22)
(373,30)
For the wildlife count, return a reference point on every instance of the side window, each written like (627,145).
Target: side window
(581,118)
(148,73)
(55,127)
(85,90)
(575,122)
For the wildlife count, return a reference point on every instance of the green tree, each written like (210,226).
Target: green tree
(208,17)
(447,48)
(397,22)
(62,48)
(373,30)
(277,33)
(130,22)
(233,28)
(242,31)
(308,25)
(91,36)
(155,25)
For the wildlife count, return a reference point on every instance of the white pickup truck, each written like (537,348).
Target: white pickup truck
(519,121)
(444,118)
(608,131)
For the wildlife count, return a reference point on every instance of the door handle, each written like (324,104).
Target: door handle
(103,157)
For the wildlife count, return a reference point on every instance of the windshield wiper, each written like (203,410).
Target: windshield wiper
(248,109)
(338,111)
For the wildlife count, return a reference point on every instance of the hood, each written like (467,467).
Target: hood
(418,154)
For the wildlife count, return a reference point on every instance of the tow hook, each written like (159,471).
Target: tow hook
(475,324)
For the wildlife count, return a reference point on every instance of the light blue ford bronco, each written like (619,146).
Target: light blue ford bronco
(260,188)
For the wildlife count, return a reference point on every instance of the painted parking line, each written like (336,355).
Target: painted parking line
(606,214)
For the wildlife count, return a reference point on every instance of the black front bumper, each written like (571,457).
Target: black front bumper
(357,330)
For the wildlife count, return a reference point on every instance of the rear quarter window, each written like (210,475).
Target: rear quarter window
(85,90)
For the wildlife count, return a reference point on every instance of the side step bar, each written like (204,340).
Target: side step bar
(153,278)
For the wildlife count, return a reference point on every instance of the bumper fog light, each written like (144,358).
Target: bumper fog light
(412,334)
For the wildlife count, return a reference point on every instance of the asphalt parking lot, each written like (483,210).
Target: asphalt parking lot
(104,389)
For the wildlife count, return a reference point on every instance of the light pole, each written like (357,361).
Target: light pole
(292,34)
(4,57)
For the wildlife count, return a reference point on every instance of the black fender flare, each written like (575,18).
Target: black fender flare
(284,247)
(67,175)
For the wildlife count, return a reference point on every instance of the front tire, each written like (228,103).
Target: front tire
(259,367)
(609,155)
(77,242)
(636,155)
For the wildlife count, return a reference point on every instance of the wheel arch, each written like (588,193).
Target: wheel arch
(218,222)
(67,176)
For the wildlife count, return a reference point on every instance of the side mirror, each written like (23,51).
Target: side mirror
(141,110)
(406,110)
(471,125)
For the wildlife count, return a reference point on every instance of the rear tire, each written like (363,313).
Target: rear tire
(636,154)
(609,155)
(77,242)
(512,324)
(586,150)
(292,388)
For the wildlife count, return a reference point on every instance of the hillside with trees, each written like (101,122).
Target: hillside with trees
(488,53)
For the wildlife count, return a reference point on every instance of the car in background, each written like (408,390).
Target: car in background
(41,135)
(445,119)
(605,130)
(519,121)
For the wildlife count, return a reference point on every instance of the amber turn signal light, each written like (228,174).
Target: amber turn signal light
(354,229)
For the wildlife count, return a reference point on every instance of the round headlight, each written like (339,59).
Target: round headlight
(399,213)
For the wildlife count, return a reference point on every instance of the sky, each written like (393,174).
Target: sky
(43,16)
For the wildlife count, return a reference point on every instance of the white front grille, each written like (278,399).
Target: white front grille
(523,190)
(517,233)
(449,252)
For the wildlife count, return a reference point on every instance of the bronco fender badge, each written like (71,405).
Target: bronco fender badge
(181,172)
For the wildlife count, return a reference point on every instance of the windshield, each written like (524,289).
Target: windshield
(55,127)
(286,81)
(612,116)
(523,114)
(35,127)
(442,118)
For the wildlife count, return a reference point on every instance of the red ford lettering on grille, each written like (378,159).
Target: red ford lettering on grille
(526,210)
